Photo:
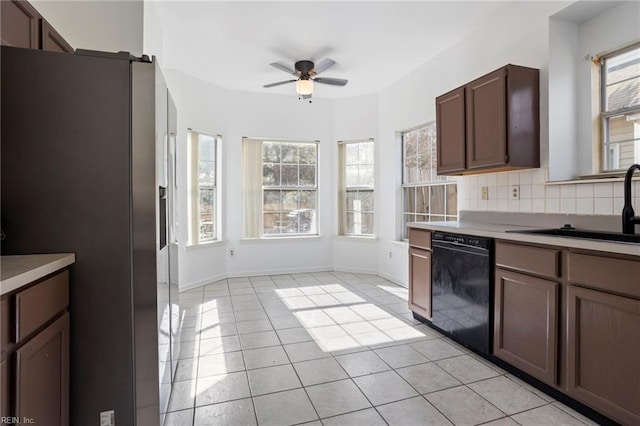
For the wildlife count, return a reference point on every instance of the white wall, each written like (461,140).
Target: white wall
(207,108)
(111,26)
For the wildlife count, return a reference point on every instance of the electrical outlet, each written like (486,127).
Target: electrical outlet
(515,192)
(390,255)
(484,192)
(232,252)
(108,418)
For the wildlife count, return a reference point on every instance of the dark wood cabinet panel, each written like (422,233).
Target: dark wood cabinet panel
(529,259)
(603,352)
(5,325)
(42,375)
(52,40)
(490,124)
(450,134)
(420,238)
(420,282)
(486,121)
(526,323)
(5,410)
(20,24)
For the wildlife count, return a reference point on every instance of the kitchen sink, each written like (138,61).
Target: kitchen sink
(580,233)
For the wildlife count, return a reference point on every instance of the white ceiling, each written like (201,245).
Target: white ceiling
(231,44)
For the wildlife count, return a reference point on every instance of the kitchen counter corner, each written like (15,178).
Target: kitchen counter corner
(17,271)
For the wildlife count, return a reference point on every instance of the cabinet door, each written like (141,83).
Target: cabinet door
(5,410)
(526,323)
(52,40)
(19,24)
(420,282)
(42,375)
(486,121)
(450,124)
(603,352)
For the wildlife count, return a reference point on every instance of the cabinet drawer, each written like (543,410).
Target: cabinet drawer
(420,238)
(534,260)
(41,302)
(606,273)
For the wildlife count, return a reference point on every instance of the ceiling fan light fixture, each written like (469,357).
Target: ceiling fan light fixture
(304,87)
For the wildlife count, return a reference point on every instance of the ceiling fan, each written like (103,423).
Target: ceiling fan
(306,72)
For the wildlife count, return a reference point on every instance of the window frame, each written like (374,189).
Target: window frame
(344,189)
(606,146)
(315,188)
(195,188)
(440,181)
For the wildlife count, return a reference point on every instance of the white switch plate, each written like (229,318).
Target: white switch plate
(108,418)
(484,192)
(515,192)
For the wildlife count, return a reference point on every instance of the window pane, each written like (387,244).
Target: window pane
(436,204)
(302,221)
(365,153)
(623,80)
(307,200)
(289,175)
(422,199)
(352,153)
(206,173)
(421,218)
(272,223)
(271,174)
(452,200)
(436,218)
(289,152)
(351,176)
(307,176)
(409,200)
(361,201)
(289,200)
(366,175)
(308,153)
(272,200)
(367,223)
(366,197)
(351,197)
(623,148)
(271,152)
(206,205)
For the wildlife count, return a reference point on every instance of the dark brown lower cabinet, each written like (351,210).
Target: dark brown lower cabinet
(526,323)
(42,375)
(4,388)
(420,282)
(604,352)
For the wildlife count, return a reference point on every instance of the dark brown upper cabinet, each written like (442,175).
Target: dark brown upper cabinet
(22,26)
(490,124)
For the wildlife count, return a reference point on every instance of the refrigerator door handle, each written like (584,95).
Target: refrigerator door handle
(162,210)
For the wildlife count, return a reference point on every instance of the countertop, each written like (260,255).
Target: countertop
(498,231)
(17,271)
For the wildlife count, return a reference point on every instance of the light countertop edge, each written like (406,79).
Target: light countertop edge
(20,270)
(497,231)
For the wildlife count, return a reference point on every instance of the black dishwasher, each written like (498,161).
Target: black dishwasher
(462,289)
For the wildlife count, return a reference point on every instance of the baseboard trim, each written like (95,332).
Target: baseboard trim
(202,282)
(356,270)
(393,279)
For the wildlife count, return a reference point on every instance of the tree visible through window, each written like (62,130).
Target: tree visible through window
(427,197)
(620,108)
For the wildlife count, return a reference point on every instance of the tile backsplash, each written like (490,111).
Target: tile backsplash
(538,196)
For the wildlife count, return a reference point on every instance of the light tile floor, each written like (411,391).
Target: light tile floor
(335,348)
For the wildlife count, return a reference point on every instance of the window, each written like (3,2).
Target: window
(203,217)
(620,108)
(280,188)
(427,197)
(356,163)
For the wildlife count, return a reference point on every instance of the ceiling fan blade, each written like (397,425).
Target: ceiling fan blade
(324,65)
(283,68)
(279,83)
(331,81)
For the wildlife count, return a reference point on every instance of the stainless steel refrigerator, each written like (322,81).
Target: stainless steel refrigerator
(86,153)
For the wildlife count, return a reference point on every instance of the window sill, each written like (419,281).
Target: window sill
(281,239)
(206,244)
(359,238)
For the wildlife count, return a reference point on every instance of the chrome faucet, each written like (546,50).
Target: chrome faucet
(628,215)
